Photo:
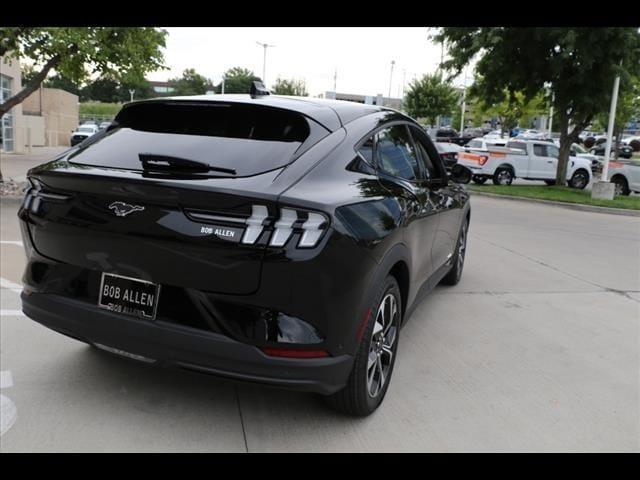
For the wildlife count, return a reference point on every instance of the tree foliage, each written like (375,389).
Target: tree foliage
(237,80)
(191,83)
(290,87)
(513,109)
(429,97)
(75,53)
(578,63)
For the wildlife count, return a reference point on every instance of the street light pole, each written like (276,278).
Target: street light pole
(464,100)
(264,60)
(553,99)
(131,92)
(612,119)
(393,62)
(223,75)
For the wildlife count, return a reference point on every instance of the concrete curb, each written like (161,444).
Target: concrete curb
(572,206)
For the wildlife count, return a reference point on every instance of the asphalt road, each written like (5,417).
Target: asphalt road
(537,349)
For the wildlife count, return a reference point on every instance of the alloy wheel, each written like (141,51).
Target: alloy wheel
(382,345)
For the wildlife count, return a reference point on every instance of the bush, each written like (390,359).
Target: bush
(99,108)
(589,142)
(635,145)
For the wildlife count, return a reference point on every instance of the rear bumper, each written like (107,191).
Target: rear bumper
(183,347)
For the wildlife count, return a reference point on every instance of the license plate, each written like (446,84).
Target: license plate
(130,296)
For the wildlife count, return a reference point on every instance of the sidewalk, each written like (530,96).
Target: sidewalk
(14,166)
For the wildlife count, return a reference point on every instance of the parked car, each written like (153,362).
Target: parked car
(291,256)
(626,176)
(579,151)
(624,151)
(447,134)
(528,159)
(448,153)
(104,125)
(82,133)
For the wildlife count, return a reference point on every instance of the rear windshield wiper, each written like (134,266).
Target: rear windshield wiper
(151,161)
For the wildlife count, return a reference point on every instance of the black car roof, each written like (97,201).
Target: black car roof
(332,114)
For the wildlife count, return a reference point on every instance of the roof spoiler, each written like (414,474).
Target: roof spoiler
(258,89)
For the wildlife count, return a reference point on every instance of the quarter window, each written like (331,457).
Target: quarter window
(430,169)
(395,153)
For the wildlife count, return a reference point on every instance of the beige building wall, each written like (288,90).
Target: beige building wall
(35,131)
(11,69)
(60,110)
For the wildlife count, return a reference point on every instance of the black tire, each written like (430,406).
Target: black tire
(455,274)
(479,180)
(621,185)
(579,179)
(503,176)
(356,397)
(550,182)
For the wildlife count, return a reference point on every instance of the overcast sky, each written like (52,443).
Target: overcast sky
(362,55)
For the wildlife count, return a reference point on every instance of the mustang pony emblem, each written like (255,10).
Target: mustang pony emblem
(122,209)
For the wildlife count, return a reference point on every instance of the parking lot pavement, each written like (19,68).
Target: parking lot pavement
(537,349)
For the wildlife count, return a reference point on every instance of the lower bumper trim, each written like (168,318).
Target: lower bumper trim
(182,347)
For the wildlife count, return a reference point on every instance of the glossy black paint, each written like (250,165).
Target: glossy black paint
(251,296)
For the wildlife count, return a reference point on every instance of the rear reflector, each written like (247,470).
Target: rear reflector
(289,353)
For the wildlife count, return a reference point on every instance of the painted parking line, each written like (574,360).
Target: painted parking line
(11,242)
(8,410)
(9,285)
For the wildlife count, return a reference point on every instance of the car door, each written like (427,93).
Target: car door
(400,171)
(543,162)
(444,200)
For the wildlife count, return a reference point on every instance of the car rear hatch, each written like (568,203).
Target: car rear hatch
(173,193)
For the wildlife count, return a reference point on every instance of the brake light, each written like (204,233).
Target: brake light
(483,159)
(292,353)
(312,228)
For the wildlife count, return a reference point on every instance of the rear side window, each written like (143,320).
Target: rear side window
(475,144)
(244,138)
(395,153)
(518,146)
(540,150)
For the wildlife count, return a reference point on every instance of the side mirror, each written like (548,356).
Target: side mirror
(460,174)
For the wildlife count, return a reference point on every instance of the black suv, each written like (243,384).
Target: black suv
(270,239)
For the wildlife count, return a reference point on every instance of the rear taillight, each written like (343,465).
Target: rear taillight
(292,353)
(483,159)
(310,226)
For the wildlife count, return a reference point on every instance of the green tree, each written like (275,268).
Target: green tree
(628,107)
(429,97)
(579,63)
(103,89)
(237,80)
(512,109)
(126,53)
(63,83)
(142,89)
(290,87)
(191,83)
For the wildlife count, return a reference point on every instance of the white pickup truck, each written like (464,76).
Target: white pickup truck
(529,159)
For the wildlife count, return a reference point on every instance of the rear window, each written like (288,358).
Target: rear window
(246,139)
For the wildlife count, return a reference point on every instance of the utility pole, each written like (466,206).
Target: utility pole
(264,60)
(131,92)
(335,80)
(393,62)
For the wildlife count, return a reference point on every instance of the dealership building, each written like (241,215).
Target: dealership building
(45,118)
